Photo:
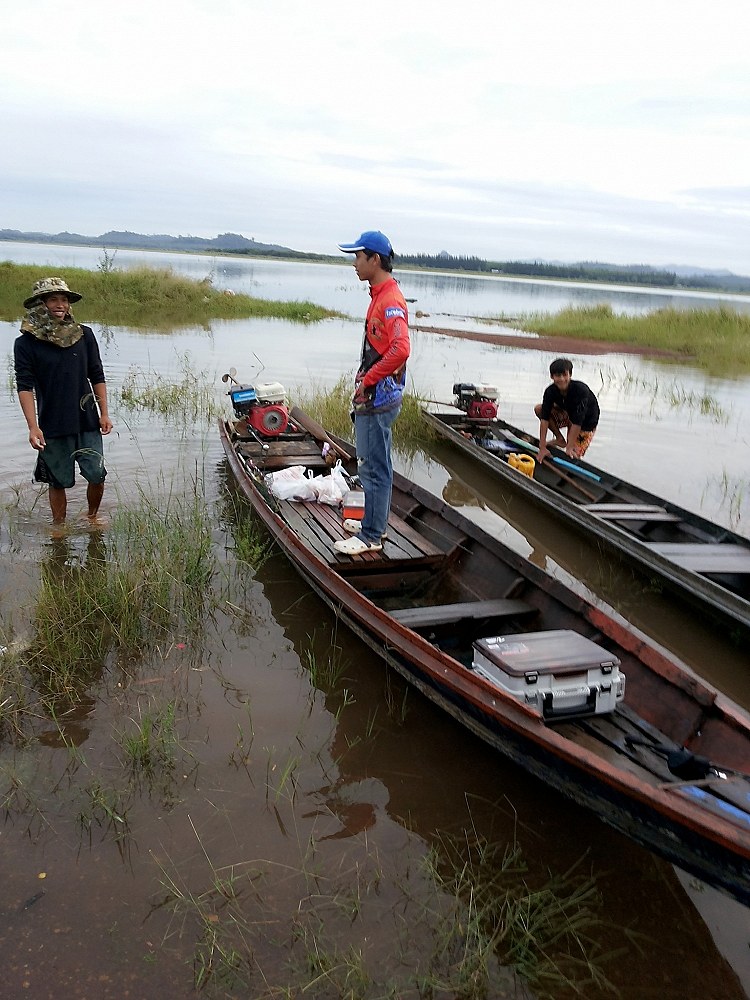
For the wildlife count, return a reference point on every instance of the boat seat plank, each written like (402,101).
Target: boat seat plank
(451,614)
(607,506)
(631,512)
(270,463)
(705,557)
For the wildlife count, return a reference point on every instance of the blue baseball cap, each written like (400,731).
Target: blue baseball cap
(371,240)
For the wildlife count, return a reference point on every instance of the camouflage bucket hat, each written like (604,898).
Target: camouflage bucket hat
(49,286)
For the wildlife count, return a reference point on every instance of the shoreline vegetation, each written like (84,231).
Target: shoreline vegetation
(147,297)
(715,340)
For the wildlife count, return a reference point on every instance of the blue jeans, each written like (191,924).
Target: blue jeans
(373,438)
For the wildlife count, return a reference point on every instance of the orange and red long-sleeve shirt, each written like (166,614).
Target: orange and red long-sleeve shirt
(385,348)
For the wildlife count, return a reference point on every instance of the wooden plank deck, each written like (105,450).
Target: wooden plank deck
(607,735)
(284,454)
(705,557)
(320,525)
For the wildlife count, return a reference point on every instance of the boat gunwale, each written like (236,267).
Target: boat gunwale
(522,722)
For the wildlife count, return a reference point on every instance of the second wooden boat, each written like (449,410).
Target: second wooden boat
(699,561)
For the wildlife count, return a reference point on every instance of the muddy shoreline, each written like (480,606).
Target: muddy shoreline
(554,345)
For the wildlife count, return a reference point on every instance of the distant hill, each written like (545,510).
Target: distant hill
(225,243)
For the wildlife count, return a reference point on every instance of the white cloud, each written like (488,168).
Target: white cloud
(577,130)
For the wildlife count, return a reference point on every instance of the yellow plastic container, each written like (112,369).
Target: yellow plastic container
(524,463)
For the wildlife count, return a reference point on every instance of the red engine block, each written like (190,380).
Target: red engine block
(482,409)
(270,420)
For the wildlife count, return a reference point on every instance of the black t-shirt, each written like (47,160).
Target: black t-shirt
(579,403)
(62,378)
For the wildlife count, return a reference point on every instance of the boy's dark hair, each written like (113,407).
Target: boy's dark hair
(560,366)
(385,262)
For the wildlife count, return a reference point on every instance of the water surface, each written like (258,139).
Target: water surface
(371,790)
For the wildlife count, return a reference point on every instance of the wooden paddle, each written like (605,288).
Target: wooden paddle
(301,418)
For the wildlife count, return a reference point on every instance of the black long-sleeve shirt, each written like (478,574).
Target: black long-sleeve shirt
(62,379)
(579,403)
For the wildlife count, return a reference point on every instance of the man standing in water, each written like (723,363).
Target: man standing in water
(378,388)
(63,396)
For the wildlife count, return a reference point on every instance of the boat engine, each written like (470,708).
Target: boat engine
(263,406)
(479,402)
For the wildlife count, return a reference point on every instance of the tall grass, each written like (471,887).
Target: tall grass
(332,407)
(188,399)
(717,340)
(155,298)
(142,583)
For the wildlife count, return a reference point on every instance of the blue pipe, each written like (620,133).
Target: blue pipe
(560,461)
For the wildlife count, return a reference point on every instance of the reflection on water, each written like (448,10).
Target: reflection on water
(272,765)
(419,768)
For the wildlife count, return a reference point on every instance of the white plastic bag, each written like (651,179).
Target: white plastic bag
(328,488)
(338,474)
(291,484)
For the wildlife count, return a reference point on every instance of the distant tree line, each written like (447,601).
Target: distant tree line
(233,243)
(633,274)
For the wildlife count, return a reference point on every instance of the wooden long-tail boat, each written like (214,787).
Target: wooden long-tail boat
(700,562)
(667,764)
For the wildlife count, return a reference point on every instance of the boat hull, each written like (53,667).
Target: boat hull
(652,812)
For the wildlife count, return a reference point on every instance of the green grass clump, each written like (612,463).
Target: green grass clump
(468,925)
(151,741)
(717,340)
(143,583)
(187,400)
(155,298)
(332,408)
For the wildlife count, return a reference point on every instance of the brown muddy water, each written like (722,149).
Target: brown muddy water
(290,827)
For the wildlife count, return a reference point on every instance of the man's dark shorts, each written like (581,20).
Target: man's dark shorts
(56,464)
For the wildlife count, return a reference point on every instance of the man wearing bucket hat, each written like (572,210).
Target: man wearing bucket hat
(63,395)
(378,387)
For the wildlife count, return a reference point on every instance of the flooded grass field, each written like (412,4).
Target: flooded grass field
(209,786)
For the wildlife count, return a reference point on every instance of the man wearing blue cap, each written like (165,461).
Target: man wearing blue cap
(378,387)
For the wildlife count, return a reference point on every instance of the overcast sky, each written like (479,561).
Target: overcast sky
(564,131)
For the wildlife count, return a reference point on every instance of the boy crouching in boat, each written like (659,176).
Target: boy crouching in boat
(569,404)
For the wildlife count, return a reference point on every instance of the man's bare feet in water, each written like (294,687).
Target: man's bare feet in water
(96,522)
